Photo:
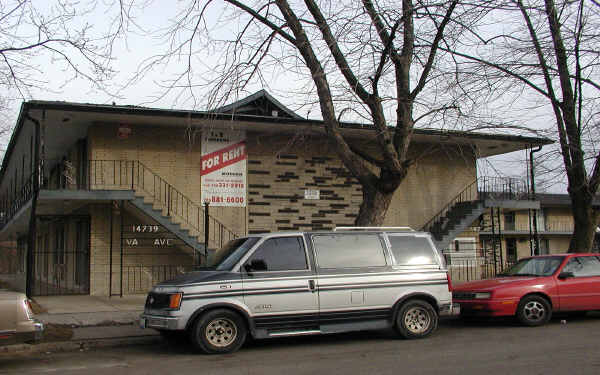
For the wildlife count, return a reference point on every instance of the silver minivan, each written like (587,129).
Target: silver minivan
(306,283)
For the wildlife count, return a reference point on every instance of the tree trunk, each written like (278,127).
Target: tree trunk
(373,208)
(586,220)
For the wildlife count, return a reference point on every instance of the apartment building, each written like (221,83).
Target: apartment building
(111,199)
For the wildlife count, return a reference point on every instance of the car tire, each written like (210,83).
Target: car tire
(416,319)
(218,331)
(534,311)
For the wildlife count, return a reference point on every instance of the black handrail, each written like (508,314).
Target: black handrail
(499,188)
(468,194)
(11,205)
(134,175)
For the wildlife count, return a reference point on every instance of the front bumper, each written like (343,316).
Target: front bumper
(159,322)
(487,307)
(34,332)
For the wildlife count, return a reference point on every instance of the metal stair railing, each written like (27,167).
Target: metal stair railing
(498,188)
(468,194)
(11,204)
(133,175)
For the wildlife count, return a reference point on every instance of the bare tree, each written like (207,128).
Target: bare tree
(371,59)
(552,50)
(35,35)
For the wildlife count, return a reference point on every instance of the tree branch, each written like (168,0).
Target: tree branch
(337,54)
(434,47)
(262,19)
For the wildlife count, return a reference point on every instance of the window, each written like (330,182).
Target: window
(583,266)
(544,246)
(232,252)
(509,221)
(349,250)
(511,250)
(534,267)
(279,254)
(411,250)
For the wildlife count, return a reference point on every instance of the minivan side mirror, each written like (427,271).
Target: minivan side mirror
(565,275)
(255,265)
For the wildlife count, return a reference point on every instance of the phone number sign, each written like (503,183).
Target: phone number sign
(223,168)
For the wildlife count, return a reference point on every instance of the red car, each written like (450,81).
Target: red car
(534,288)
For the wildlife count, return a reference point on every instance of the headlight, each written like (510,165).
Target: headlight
(482,295)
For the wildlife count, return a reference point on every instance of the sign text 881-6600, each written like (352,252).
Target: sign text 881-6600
(227,199)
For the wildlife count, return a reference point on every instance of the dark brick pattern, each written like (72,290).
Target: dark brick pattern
(276,188)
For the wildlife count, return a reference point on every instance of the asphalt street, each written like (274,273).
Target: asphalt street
(482,348)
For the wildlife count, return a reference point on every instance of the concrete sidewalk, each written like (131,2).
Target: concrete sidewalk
(93,321)
(85,311)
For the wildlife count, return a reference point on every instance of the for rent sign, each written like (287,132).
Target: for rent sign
(223,168)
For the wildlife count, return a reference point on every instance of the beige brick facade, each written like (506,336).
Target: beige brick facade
(278,178)
(278,174)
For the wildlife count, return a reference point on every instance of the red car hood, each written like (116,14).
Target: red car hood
(490,284)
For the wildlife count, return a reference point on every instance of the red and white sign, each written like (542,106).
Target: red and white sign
(223,168)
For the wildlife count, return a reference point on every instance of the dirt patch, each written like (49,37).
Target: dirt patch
(57,332)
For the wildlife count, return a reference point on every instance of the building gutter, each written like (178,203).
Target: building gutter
(23,113)
(536,239)
(29,280)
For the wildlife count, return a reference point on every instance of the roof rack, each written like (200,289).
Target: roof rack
(406,229)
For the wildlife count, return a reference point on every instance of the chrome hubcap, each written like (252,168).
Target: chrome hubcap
(534,311)
(221,332)
(417,320)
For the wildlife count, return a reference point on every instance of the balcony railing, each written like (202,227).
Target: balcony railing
(549,226)
(12,204)
(126,175)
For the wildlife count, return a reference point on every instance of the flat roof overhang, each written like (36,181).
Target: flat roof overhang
(58,203)
(71,122)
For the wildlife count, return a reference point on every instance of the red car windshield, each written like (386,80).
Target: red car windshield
(544,266)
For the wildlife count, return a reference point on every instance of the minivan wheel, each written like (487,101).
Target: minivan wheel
(416,319)
(534,311)
(218,331)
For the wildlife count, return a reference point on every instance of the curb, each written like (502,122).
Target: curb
(68,346)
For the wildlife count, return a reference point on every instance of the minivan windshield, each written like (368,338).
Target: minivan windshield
(227,256)
(544,266)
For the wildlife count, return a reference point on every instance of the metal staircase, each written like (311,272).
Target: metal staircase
(461,211)
(161,201)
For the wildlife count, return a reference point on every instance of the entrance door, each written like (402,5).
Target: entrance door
(511,251)
(62,256)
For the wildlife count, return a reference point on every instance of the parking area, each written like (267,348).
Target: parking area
(490,347)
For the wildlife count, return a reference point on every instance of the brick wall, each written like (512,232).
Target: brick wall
(279,173)
(174,154)
(144,264)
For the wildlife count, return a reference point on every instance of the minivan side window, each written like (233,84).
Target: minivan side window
(349,250)
(278,254)
(411,251)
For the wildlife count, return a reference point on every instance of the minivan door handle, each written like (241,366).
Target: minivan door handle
(311,285)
